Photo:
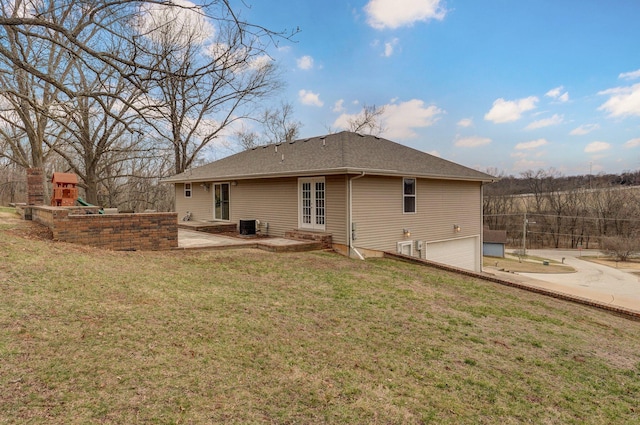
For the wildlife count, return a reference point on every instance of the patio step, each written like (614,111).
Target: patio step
(325,239)
(208,227)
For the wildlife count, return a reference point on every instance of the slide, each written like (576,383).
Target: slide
(86,204)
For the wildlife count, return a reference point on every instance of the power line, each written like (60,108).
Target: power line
(562,216)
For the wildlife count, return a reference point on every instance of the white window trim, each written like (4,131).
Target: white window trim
(402,244)
(313,226)
(415,195)
(190,190)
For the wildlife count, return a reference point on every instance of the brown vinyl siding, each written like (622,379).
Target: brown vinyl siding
(336,208)
(378,211)
(273,201)
(200,204)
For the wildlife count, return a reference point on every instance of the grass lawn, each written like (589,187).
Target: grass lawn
(526,265)
(246,336)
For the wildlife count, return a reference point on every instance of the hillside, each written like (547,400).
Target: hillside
(512,185)
(247,336)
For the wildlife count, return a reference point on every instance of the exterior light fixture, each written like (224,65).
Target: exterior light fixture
(406,232)
(456,228)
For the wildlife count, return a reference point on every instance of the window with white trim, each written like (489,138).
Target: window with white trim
(409,195)
(187,190)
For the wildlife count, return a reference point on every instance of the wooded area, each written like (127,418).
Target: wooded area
(123,93)
(565,212)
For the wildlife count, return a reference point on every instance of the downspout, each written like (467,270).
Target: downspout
(350,217)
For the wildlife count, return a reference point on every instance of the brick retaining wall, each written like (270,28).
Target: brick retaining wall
(81,225)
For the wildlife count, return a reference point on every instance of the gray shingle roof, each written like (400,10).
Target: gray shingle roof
(339,153)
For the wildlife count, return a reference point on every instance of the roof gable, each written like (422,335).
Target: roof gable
(339,153)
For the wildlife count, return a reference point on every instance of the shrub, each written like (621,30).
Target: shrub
(621,247)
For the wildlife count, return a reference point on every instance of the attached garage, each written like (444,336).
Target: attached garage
(462,253)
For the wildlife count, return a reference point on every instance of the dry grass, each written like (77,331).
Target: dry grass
(631,265)
(526,265)
(88,336)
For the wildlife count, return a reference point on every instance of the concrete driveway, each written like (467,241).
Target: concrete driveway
(591,280)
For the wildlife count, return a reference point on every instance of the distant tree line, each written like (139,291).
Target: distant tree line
(565,212)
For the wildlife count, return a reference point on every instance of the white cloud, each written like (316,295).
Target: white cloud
(584,129)
(633,143)
(630,75)
(546,122)
(525,164)
(597,147)
(305,62)
(558,95)
(472,142)
(392,14)
(534,144)
(338,106)
(389,47)
(623,101)
(309,98)
(184,20)
(510,110)
(400,120)
(465,122)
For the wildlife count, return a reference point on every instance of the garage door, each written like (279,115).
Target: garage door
(462,253)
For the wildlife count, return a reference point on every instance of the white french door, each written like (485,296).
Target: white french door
(311,203)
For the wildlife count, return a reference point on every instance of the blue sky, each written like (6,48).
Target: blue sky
(503,84)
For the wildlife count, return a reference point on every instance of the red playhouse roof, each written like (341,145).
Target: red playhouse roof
(64,178)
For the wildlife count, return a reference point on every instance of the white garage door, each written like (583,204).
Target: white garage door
(462,253)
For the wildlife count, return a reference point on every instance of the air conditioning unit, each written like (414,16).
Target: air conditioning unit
(247,227)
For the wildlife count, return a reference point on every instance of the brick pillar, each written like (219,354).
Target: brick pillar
(35,186)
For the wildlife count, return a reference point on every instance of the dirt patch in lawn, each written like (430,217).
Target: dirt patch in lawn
(10,221)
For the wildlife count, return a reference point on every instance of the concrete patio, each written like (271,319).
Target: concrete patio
(193,239)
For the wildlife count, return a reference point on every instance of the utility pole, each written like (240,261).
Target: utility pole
(524,234)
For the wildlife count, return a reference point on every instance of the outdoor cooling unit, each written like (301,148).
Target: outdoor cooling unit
(247,227)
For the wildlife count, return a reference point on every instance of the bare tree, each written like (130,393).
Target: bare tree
(368,121)
(276,125)
(622,248)
(99,131)
(27,52)
(41,39)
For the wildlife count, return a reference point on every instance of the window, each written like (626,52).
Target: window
(409,196)
(405,248)
(187,190)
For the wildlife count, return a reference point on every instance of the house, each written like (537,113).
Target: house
(370,194)
(493,242)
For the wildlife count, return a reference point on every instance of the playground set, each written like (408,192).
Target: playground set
(71,219)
